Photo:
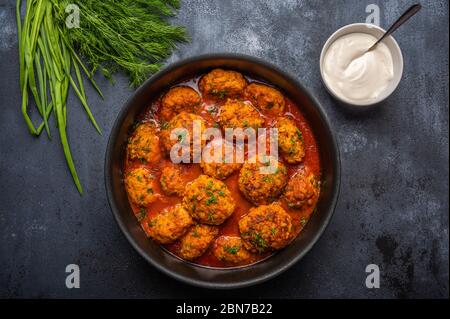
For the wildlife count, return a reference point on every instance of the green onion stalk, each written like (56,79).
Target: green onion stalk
(114,35)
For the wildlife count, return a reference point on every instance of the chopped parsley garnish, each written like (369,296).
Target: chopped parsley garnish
(293,141)
(259,241)
(303,221)
(232,249)
(212,199)
(181,136)
(142,214)
(267,179)
(164,124)
(222,94)
(195,233)
(212,109)
(299,134)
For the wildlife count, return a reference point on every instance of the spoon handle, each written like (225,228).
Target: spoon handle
(403,18)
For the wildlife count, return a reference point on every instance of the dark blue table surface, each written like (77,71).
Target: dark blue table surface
(393,206)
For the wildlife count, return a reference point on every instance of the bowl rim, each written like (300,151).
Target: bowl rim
(205,283)
(360,27)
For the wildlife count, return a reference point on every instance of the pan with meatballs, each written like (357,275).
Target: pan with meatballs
(222,211)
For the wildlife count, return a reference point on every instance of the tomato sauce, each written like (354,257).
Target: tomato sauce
(311,164)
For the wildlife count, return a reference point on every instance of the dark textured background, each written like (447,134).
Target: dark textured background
(393,207)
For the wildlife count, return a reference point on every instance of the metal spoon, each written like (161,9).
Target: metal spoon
(403,18)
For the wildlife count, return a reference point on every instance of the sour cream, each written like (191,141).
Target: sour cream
(356,75)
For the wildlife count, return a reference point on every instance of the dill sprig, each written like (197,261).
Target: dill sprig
(128,35)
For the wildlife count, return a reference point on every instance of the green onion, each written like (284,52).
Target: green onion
(127,35)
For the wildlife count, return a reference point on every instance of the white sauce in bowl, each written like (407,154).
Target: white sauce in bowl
(354,75)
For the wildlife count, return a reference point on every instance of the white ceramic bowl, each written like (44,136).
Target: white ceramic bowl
(392,45)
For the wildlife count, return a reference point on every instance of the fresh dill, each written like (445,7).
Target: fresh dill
(129,35)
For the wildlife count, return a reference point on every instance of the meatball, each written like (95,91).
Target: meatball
(216,166)
(170,224)
(172,180)
(178,99)
(197,240)
(290,140)
(144,144)
(140,185)
(208,200)
(265,98)
(230,249)
(259,187)
(238,114)
(183,120)
(221,84)
(302,189)
(265,228)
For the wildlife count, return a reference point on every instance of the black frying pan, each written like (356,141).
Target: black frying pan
(205,276)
